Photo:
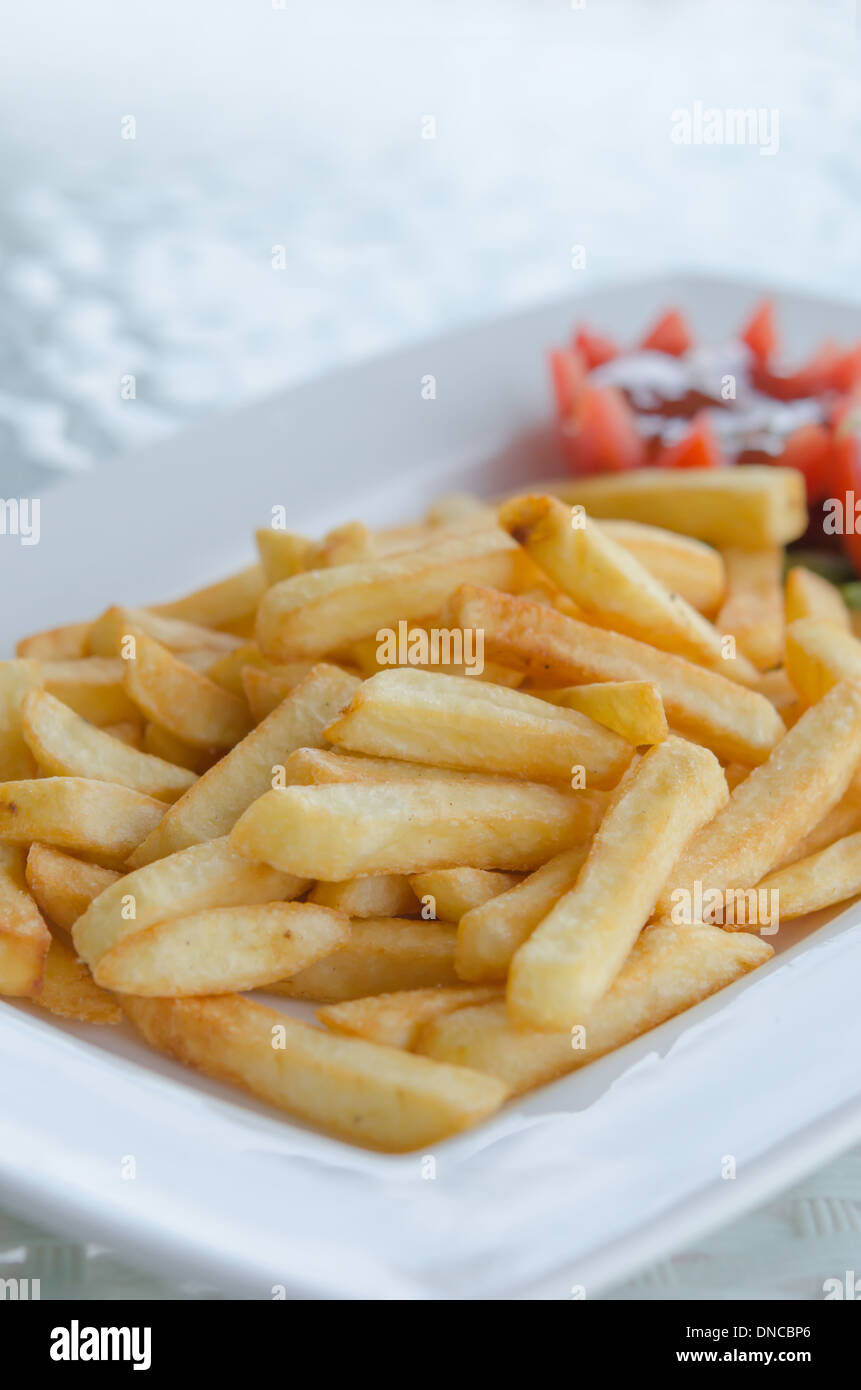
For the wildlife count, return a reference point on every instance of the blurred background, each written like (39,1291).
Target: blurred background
(221,197)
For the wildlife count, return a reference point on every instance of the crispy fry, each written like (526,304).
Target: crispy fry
(222,949)
(751,506)
(336,832)
(16,679)
(63,887)
(808,595)
(182,700)
(843,819)
(69,990)
(284,553)
(227,604)
(24,937)
(451,721)
(818,655)
(315,613)
(76,813)
(396,1020)
(778,804)
(368,1094)
(576,952)
(214,803)
(668,970)
(264,690)
(346,545)
(378,895)
(632,709)
(56,644)
(65,745)
(106,634)
(819,880)
(381,955)
(753,609)
(453,892)
(683,565)
(93,687)
(736,723)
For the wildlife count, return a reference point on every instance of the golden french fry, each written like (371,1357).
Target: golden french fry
(56,644)
(632,709)
(576,952)
(818,655)
(128,731)
(93,687)
(396,1020)
(284,553)
(808,595)
(315,613)
(106,634)
(65,745)
(79,814)
(736,723)
(668,970)
(222,949)
(264,690)
(488,936)
(381,1097)
(214,803)
(227,604)
(338,831)
(752,611)
(195,879)
(346,545)
(453,722)
(819,880)
(380,955)
(843,819)
(453,892)
(181,699)
(751,506)
(683,565)
(378,895)
(69,990)
(24,937)
(773,808)
(63,887)
(16,679)
(610,586)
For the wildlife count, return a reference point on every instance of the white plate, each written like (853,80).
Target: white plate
(577,1185)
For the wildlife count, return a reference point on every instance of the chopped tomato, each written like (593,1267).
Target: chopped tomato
(568,372)
(594,348)
(670,334)
(846,372)
(603,437)
(698,448)
(760,331)
(810,449)
(813,379)
(846,479)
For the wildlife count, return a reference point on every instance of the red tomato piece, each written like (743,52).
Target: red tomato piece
(568,372)
(813,379)
(670,334)
(605,437)
(760,331)
(698,448)
(846,373)
(810,449)
(594,348)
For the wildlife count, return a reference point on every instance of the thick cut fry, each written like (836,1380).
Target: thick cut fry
(312,614)
(213,805)
(831,876)
(222,949)
(183,700)
(396,1020)
(226,604)
(56,644)
(378,895)
(773,808)
(488,936)
(753,609)
(610,586)
(195,879)
(264,690)
(574,955)
(752,506)
(736,723)
(451,721)
(284,553)
(335,832)
(808,595)
(669,970)
(381,1097)
(87,817)
(63,886)
(313,767)
(16,679)
(684,566)
(381,955)
(106,634)
(65,745)
(632,709)
(24,937)
(843,819)
(453,892)
(69,990)
(818,655)
(94,688)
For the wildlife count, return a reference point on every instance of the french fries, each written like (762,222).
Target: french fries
(451,721)
(632,709)
(69,990)
(76,813)
(56,643)
(808,595)
(24,937)
(377,1096)
(753,609)
(93,687)
(17,678)
(227,604)
(380,955)
(181,699)
(818,655)
(378,895)
(831,876)
(396,1020)
(685,566)
(215,801)
(453,892)
(576,952)
(62,886)
(105,636)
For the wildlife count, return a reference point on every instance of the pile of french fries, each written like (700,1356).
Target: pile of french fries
(471,867)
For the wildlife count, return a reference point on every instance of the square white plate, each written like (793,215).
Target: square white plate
(572,1188)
